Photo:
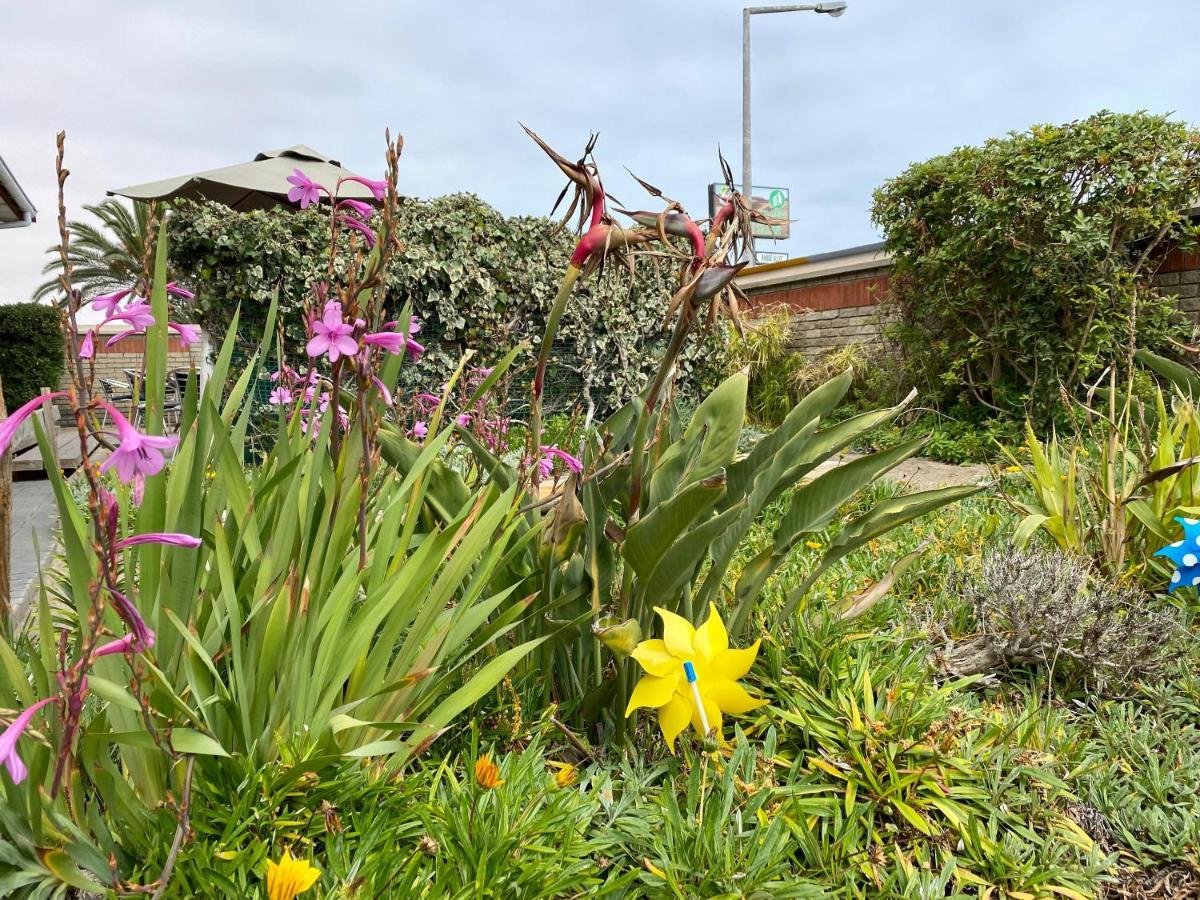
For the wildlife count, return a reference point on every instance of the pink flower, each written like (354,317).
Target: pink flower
(173,538)
(120,336)
(549,453)
(367,233)
(545,467)
(188,334)
(280,396)
(331,335)
(305,191)
(462,420)
(131,643)
(109,304)
(384,392)
(9,738)
(358,207)
(9,426)
(391,341)
(131,617)
(88,348)
(414,349)
(173,288)
(419,430)
(137,453)
(378,189)
(137,314)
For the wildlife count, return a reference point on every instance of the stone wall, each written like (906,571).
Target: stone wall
(1179,274)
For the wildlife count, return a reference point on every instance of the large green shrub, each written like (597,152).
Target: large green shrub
(31,351)
(1021,265)
(475,279)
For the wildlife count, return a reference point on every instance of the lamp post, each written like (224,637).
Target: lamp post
(833,9)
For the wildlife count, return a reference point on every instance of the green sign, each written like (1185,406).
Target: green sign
(772,202)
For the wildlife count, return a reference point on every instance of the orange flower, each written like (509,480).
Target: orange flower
(487,773)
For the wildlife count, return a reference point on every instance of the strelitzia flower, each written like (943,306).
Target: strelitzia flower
(487,773)
(665,687)
(1185,554)
(9,738)
(304,190)
(289,877)
(138,454)
(331,335)
(10,424)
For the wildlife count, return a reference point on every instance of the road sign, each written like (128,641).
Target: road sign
(766,256)
(774,202)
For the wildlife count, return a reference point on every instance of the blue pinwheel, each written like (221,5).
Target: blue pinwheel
(1185,554)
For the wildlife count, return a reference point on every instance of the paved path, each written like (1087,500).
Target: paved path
(34,514)
(921,474)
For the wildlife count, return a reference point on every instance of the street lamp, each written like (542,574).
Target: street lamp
(834,10)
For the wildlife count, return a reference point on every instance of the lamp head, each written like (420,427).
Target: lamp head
(833,9)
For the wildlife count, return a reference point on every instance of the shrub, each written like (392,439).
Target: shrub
(1045,608)
(475,279)
(31,351)
(1022,264)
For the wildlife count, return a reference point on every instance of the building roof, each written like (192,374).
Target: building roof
(820,265)
(16,209)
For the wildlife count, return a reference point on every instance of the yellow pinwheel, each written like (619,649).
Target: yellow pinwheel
(665,687)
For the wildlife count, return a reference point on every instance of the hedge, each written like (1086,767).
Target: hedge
(475,278)
(31,351)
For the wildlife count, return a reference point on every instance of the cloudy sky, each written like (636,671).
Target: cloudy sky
(146,90)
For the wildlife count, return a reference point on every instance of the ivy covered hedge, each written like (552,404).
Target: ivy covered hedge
(475,278)
(1021,267)
(31,351)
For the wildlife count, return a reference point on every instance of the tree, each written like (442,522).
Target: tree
(105,257)
(1020,267)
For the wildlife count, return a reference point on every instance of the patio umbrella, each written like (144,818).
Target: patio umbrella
(260,184)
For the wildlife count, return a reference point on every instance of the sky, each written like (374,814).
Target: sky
(148,89)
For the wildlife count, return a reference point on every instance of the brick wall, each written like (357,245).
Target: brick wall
(829,312)
(834,311)
(128,354)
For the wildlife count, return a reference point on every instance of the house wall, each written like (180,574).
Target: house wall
(128,354)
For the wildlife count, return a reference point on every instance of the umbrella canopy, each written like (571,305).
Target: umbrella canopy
(260,184)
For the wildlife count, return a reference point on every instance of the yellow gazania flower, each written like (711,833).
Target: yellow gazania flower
(565,773)
(487,773)
(289,877)
(665,687)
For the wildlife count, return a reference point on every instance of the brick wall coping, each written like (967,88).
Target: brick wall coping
(821,265)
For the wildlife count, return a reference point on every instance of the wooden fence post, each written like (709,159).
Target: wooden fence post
(50,426)
(5,528)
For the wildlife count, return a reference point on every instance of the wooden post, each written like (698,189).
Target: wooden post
(5,528)
(50,426)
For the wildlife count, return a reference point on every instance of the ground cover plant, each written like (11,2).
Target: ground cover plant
(420,648)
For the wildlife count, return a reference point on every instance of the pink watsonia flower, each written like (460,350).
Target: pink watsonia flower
(545,467)
(391,341)
(137,453)
(549,453)
(367,233)
(414,349)
(121,335)
(419,430)
(138,314)
(462,420)
(378,189)
(384,392)
(9,738)
(172,538)
(173,288)
(188,334)
(129,614)
(110,304)
(358,207)
(131,643)
(10,424)
(304,190)
(331,335)
(87,349)
(280,396)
